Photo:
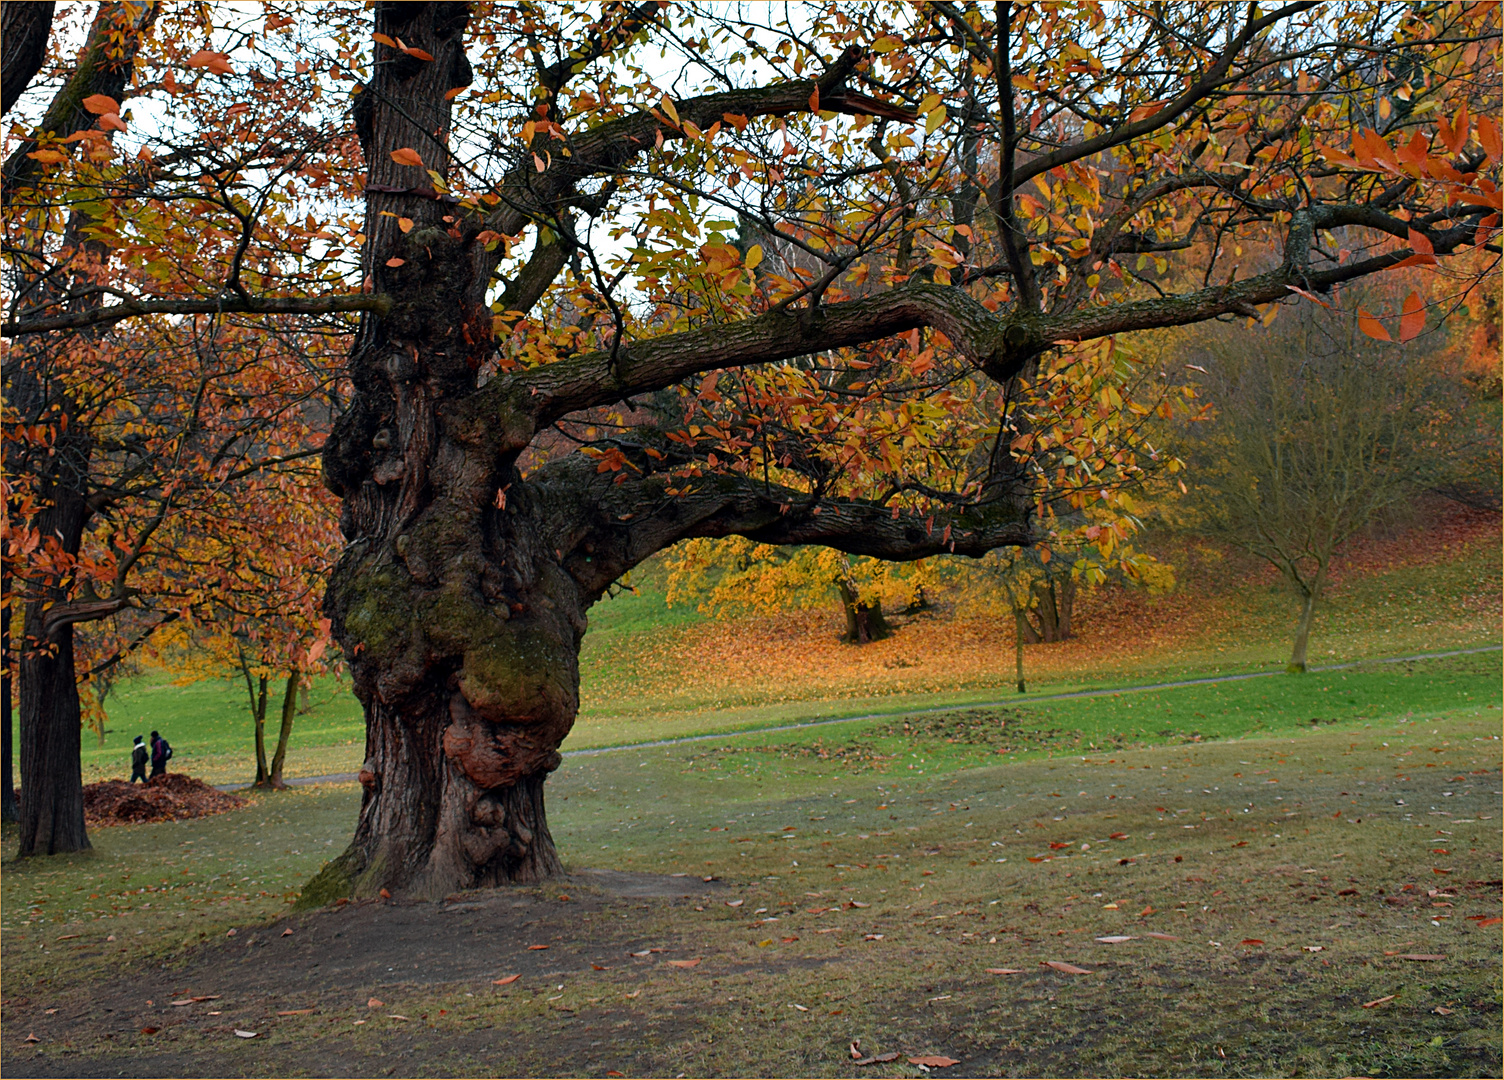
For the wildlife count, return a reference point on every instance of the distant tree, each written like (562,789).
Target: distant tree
(736,576)
(1320,429)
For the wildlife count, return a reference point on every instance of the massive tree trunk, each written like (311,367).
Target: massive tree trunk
(461,629)
(460,600)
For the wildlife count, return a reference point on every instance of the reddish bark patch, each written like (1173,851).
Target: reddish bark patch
(170,797)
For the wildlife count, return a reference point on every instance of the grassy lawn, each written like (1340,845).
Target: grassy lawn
(869,876)
(1227,617)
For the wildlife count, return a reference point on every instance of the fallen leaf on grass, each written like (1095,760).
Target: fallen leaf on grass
(1109,907)
(789,940)
(1442,1010)
(1421,956)
(245,1034)
(1495,921)
(891,1055)
(613,1072)
(287,932)
(598,967)
(1253,941)
(1005,971)
(535,948)
(1118,836)
(181,1002)
(872,937)
(31,1039)
(69,937)
(150,1030)
(856,1050)
(395,1016)
(1115,939)
(735,903)
(374,1003)
(857,903)
(1378,1001)
(503,981)
(683,963)
(1161,937)
(295,1012)
(1064,968)
(801,1008)
(1313,948)
(933,1061)
(1057,847)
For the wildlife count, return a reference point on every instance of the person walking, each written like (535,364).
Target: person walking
(139,757)
(161,754)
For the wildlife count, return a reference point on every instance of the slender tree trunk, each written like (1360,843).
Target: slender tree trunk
(1066,605)
(8,808)
(52,801)
(289,713)
(1021,624)
(864,621)
(258,721)
(1309,595)
(461,625)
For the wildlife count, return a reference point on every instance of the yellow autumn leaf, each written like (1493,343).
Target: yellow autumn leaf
(754,256)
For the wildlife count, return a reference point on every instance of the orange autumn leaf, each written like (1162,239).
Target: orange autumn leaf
(1372,327)
(407,156)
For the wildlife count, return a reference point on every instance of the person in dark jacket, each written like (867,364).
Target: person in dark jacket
(139,757)
(161,753)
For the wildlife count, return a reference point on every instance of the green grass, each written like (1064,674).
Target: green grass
(1403,610)
(1249,851)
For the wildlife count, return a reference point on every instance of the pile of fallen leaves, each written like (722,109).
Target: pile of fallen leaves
(169,797)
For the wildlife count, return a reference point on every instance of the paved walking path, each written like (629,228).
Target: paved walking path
(337,778)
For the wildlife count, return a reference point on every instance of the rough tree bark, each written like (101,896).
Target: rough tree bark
(24,29)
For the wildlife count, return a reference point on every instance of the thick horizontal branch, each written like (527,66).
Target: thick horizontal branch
(1239,297)
(252,305)
(997,345)
(602,529)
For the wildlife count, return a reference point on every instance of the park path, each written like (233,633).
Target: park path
(337,778)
